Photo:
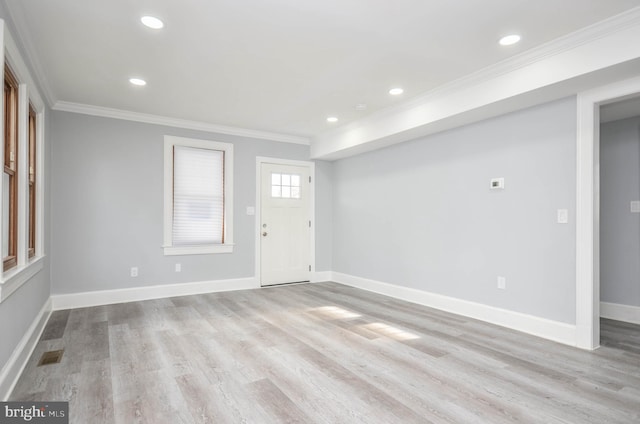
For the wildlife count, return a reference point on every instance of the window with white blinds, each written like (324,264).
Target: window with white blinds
(198,196)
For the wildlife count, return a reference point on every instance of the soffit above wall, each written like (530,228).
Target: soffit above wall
(595,56)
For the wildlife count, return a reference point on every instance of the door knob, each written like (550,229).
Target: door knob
(264,234)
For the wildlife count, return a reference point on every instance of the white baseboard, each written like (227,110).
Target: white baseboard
(320,277)
(108,297)
(620,312)
(541,327)
(21,354)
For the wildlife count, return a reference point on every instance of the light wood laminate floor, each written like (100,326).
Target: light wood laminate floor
(322,353)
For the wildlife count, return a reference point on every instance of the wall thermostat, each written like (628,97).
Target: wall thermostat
(497,184)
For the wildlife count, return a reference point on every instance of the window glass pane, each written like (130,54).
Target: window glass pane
(5,213)
(10,222)
(29,200)
(198,196)
(31,204)
(285,186)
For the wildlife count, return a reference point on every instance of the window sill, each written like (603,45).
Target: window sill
(197,250)
(13,279)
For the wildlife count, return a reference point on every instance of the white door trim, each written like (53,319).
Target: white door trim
(588,206)
(312,205)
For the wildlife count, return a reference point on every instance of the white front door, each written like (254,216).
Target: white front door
(285,227)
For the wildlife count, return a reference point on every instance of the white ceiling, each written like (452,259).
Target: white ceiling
(279,65)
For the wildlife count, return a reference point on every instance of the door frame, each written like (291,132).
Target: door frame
(588,206)
(258,218)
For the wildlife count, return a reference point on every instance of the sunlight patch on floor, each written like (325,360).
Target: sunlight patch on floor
(335,312)
(389,331)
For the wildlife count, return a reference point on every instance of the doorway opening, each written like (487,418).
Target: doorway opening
(619,223)
(588,223)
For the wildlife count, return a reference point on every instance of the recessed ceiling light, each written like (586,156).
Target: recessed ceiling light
(332,119)
(137,81)
(509,40)
(396,91)
(152,22)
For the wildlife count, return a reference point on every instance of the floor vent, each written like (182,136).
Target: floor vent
(51,357)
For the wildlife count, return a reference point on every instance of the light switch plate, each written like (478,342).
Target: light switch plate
(563,216)
(635,206)
(502,282)
(251,210)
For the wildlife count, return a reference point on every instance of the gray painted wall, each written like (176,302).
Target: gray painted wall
(324,208)
(421,214)
(108,199)
(19,310)
(619,228)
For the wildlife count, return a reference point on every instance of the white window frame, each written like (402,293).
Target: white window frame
(227,148)
(26,267)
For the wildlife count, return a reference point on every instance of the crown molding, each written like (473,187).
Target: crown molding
(23,37)
(554,47)
(105,112)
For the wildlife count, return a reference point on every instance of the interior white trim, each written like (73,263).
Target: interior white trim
(29,94)
(16,277)
(588,206)
(40,183)
(21,354)
(541,327)
(198,250)
(586,58)
(134,294)
(619,312)
(312,194)
(168,247)
(26,267)
(146,118)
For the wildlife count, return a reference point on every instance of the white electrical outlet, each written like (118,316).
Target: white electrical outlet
(502,283)
(134,271)
(497,184)
(635,206)
(178,267)
(251,210)
(563,216)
